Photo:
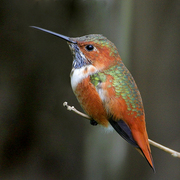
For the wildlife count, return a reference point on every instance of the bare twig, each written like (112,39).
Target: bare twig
(153,143)
(72,108)
(164,148)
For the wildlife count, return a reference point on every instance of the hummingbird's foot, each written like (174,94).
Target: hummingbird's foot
(93,122)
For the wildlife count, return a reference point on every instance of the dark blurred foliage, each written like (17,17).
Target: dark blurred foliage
(39,138)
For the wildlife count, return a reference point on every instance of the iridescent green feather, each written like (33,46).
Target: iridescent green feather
(98,78)
(124,85)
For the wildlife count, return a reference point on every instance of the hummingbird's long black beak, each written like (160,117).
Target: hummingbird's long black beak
(55,34)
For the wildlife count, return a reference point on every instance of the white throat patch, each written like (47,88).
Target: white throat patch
(77,75)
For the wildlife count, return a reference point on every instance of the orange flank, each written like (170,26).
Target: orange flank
(91,102)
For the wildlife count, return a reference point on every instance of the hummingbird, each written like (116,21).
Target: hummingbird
(106,89)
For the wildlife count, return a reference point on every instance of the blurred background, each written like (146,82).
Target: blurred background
(39,138)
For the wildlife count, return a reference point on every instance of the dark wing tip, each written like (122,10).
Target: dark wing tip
(124,131)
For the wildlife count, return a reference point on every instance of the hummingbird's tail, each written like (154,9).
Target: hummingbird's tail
(136,138)
(144,147)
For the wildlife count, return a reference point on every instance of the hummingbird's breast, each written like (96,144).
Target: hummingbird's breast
(87,94)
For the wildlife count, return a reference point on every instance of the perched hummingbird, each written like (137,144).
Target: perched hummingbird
(106,90)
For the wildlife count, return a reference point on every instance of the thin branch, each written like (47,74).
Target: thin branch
(153,143)
(72,108)
(164,148)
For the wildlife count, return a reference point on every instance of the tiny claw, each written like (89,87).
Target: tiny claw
(93,122)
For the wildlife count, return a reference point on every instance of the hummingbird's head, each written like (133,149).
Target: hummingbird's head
(93,49)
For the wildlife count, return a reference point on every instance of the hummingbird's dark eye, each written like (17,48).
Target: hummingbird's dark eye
(89,47)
